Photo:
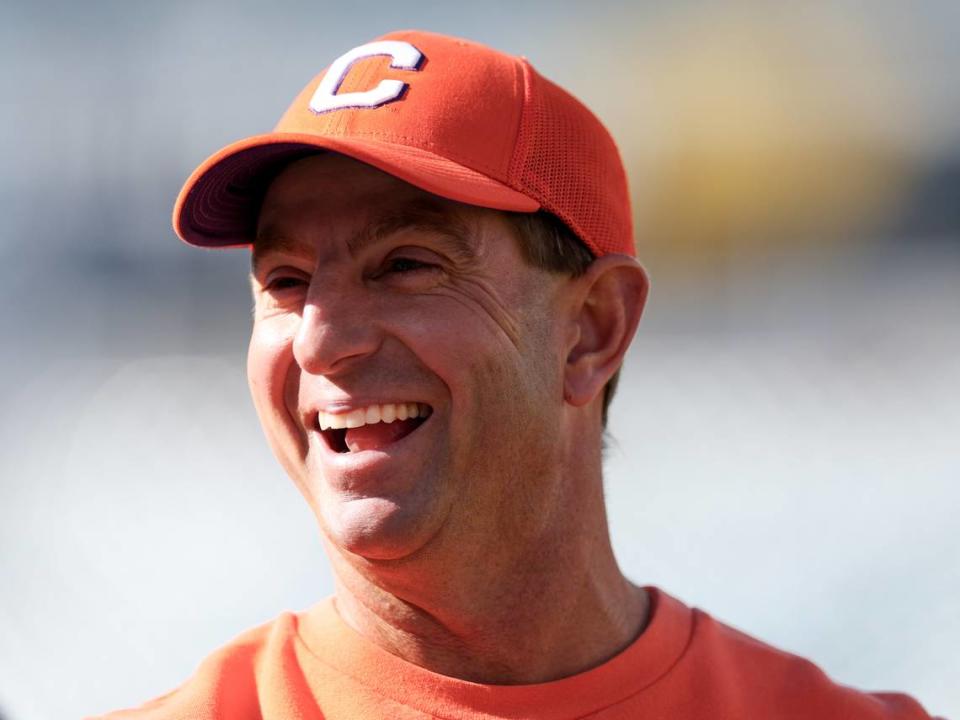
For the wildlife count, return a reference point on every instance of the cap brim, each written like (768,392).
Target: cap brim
(218,204)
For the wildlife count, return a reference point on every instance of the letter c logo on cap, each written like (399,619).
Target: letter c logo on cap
(403,56)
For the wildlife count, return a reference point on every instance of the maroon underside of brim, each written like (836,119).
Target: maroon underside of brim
(221,208)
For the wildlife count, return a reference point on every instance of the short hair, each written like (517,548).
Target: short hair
(547,243)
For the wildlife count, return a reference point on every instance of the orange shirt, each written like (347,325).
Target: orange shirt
(684,666)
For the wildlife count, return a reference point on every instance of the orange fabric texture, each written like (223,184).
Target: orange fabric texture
(685,665)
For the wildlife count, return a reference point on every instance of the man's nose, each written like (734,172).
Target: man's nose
(335,330)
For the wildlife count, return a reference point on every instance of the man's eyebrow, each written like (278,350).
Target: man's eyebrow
(269,241)
(427,215)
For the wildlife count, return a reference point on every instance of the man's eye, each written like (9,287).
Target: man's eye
(284,282)
(405,265)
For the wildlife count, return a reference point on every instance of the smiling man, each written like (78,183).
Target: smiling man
(421,383)
(445,287)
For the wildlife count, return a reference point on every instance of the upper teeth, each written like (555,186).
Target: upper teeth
(372,414)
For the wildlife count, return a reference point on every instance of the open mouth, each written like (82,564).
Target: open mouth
(372,427)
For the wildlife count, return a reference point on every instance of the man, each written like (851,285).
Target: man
(445,287)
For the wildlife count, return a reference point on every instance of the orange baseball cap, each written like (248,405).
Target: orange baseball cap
(452,117)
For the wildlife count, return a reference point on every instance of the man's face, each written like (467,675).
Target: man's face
(374,298)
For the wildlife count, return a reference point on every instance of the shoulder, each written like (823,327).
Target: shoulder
(225,682)
(758,677)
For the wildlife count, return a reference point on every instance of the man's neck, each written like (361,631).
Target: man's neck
(535,623)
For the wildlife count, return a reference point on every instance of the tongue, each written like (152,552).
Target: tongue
(373,437)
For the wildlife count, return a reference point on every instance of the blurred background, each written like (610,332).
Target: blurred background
(785,449)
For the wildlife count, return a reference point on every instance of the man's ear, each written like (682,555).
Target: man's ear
(612,295)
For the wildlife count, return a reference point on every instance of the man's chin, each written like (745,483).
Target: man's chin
(377,528)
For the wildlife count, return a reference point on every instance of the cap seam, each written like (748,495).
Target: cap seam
(520,142)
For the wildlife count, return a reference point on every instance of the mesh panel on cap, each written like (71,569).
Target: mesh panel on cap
(568,162)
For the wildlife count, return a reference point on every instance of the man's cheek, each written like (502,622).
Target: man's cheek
(274,380)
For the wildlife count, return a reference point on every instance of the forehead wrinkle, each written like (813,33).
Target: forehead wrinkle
(424,214)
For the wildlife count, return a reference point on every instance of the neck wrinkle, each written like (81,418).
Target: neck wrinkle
(571,614)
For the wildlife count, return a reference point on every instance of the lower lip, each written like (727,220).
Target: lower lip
(356,470)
